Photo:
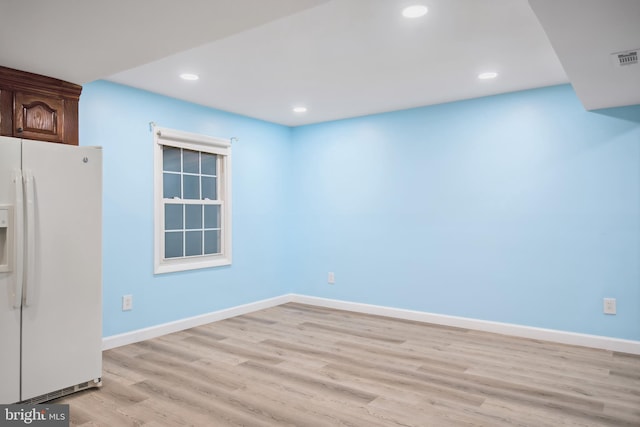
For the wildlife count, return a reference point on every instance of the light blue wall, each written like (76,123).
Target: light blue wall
(116,117)
(521,208)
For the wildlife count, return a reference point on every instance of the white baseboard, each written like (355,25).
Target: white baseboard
(563,337)
(190,322)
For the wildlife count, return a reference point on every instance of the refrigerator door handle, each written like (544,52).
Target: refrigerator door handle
(30,261)
(19,238)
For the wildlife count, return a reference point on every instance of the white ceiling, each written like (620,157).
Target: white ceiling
(85,40)
(340,58)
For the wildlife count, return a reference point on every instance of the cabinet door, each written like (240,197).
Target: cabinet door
(38,117)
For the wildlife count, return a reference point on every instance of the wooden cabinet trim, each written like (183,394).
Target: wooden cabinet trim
(16,80)
(6,112)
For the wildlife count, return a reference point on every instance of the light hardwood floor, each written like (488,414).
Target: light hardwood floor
(298,365)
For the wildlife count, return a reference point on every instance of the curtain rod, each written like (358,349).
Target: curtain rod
(152,125)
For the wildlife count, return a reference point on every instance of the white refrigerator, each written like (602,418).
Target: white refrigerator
(50,269)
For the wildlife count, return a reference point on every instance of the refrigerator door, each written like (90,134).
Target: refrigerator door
(61,313)
(9,314)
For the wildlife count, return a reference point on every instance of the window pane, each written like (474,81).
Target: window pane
(173,244)
(171,159)
(193,242)
(212,242)
(211,216)
(173,217)
(191,161)
(193,216)
(191,187)
(170,185)
(209,188)
(208,163)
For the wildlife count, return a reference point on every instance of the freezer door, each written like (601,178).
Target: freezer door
(61,313)
(9,314)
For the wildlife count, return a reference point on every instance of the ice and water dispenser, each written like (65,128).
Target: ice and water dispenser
(5,238)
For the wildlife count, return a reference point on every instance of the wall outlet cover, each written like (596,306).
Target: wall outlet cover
(127,302)
(609,306)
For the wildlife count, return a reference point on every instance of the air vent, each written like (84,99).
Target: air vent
(49,396)
(62,392)
(628,57)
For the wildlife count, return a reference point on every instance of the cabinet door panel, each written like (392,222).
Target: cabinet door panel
(39,117)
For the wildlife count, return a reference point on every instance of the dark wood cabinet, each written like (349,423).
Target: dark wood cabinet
(38,107)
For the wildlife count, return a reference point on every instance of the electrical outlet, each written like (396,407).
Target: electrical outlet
(127,302)
(609,306)
(332,278)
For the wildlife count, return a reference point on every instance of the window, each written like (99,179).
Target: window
(192,201)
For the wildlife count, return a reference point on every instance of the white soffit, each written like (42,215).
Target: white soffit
(584,34)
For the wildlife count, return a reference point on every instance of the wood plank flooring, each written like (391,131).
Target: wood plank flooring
(298,365)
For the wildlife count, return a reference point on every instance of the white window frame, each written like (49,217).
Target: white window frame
(191,141)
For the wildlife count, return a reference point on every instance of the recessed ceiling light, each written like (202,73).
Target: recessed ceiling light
(300,109)
(415,11)
(189,76)
(488,75)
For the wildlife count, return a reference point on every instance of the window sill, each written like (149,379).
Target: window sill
(182,264)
